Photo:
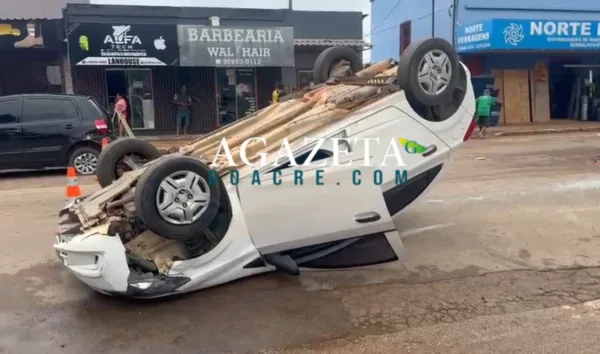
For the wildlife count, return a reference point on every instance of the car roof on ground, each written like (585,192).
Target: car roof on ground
(44,95)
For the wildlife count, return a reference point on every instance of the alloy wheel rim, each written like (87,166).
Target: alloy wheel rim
(86,163)
(434,72)
(182,197)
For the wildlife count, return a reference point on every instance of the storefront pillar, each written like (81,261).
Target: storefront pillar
(67,76)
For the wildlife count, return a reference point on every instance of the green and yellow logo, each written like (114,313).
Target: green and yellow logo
(411,146)
(84,44)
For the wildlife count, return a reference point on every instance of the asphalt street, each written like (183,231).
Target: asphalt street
(502,257)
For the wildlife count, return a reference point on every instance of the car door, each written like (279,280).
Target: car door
(47,126)
(11,146)
(310,205)
(422,153)
(352,200)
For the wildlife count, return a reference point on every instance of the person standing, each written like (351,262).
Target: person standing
(484,104)
(183,101)
(120,112)
(277,93)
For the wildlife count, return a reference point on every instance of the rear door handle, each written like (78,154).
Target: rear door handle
(13,131)
(69,126)
(364,218)
(431,149)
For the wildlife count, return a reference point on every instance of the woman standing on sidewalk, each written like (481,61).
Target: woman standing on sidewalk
(121,112)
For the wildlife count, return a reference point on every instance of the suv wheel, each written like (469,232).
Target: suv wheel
(85,160)
(122,155)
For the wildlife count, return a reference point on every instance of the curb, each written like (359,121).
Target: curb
(545,131)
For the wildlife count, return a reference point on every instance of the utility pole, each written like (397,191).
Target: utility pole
(454,19)
(432,18)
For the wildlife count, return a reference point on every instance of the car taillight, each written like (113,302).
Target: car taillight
(470,130)
(101,126)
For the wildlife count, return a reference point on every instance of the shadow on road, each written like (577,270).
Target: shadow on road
(12,174)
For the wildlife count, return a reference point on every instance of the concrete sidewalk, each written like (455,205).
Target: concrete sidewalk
(553,127)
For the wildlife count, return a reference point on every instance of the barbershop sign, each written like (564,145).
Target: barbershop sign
(235,47)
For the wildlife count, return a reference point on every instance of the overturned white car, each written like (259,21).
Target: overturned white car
(167,225)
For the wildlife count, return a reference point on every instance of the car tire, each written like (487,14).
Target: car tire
(329,57)
(113,154)
(161,183)
(444,72)
(84,160)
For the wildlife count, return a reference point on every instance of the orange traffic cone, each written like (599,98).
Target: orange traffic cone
(104,142)
(73,189)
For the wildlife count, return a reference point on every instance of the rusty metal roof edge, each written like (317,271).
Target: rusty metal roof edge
(29,18)
(327,41)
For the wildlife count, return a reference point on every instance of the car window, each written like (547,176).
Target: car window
(102,112)
(48,109)
(10,111)
(69,109)
(319,155)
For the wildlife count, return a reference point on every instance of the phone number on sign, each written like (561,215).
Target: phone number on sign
(239,61)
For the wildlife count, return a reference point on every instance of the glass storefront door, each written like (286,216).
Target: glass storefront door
(226,106)
(136,85)
(236,93)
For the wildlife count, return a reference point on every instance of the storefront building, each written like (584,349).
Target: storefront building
(538,57)
(229,60)
(132,60)
(539,68)
(239,56)
(31,47)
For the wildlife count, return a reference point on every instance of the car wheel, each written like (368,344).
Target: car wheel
(122,155)
(327,60)
(85,160)
(429,72)
(178,198)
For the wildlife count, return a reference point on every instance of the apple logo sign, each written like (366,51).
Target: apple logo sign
(159,43)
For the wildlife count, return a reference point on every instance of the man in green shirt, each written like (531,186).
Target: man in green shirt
(484,106)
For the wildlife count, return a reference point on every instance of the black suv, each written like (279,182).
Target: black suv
(51,130)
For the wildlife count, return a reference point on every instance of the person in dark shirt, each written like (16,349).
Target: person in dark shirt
(183,101)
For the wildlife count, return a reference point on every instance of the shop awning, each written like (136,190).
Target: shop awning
(34,9)
(528,34)
(332,42)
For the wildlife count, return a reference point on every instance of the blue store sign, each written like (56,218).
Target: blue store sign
(501,34)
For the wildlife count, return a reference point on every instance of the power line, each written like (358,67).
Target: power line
(385,19)
(414,19)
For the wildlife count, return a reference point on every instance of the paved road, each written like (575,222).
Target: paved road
(494,255)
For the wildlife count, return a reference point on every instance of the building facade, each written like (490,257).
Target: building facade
(540,57)
(230,60)
(32,50)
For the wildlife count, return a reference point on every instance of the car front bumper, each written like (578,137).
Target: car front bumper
(99,261)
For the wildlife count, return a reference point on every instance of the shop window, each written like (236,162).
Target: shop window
(236,93)
(10,111)
(305,77)
(405,34)
(476,65)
